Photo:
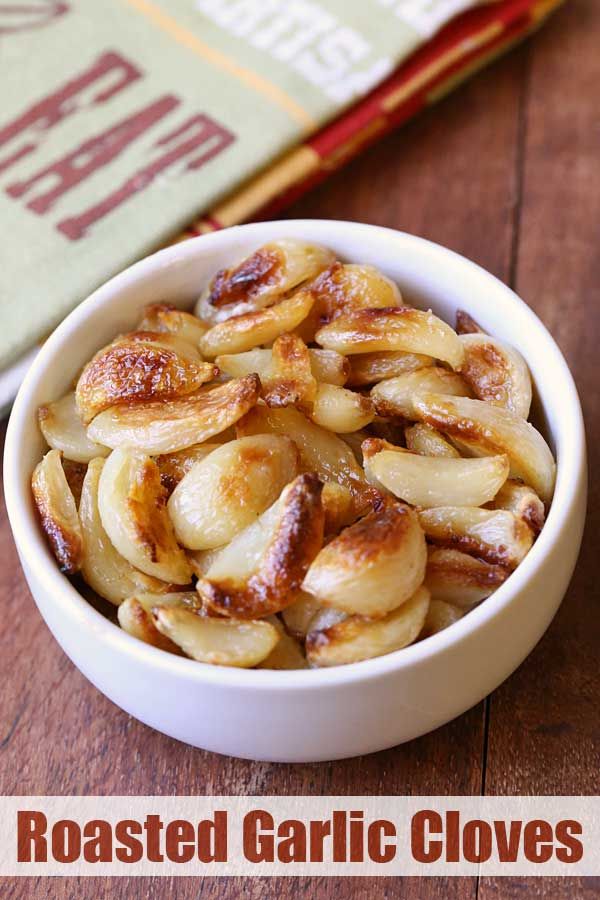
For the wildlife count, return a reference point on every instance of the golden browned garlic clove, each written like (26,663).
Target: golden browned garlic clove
(135,616)
(339,507)
(428,481)
(261,279)
(497,373)
(162,317)
(57,512)
(396,396)
(356,638)
(132,504)
(340,410)
(220,642)
(373,566)
(402,328)
(460,579)
(138,367)
(155,428)
(520,499)
(496,536)
(291,381)
(230,488)
(245,332)
(63,430)
(486,430)
(103,568)
(173,466)
(260,572)
(466,324)
(369,368)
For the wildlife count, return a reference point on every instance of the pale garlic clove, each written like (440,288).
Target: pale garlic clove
(64,430)
(486,430)
(496,536)
(57,512)
(320,450)
(261,279)
(440,615)
(132,504)
(396,396)
(325,365)
(497,373)
(107,572)
(341,411)
(459,579)
(261,570)
(287,653)
(427,481)
(373,566)
(299,614)
(139,367)
(356,639)
(156,428)
(427,441)
(219,642)
(402,328)
(228,490)
(248,331)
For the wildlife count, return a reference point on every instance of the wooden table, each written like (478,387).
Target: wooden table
(505,171)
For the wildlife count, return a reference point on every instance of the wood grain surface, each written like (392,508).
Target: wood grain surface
(506,172)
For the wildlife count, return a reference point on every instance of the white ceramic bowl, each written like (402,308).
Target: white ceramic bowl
(302,716)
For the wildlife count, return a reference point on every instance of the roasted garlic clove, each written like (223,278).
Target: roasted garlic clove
(325,365)
(299,614)
(63,430)
(261,279)
(162,317)
(220,642)
(133,509)
(496,536)
(486,430)
(369,368)
(156,428)
(139,367)
(356,638)
(287,653)
(396,396)
(402,328)
(460,579)
(339,507)
(427,441)
(291,381)
(466,324)
(340,410)
(497,373)
(254,328)
(523,502)
(135,616)
(428,481)
(174,466)
(227,490)
(57,512)
(373,566)
(103,568)
(260,572)
(440,615)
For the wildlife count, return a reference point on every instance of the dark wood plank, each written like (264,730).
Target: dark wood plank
(544,724)
(451,177)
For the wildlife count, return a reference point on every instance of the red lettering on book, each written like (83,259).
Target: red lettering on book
(92,155)
(198,133)
(109,75)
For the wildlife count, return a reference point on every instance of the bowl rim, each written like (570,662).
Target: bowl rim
(571,469)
